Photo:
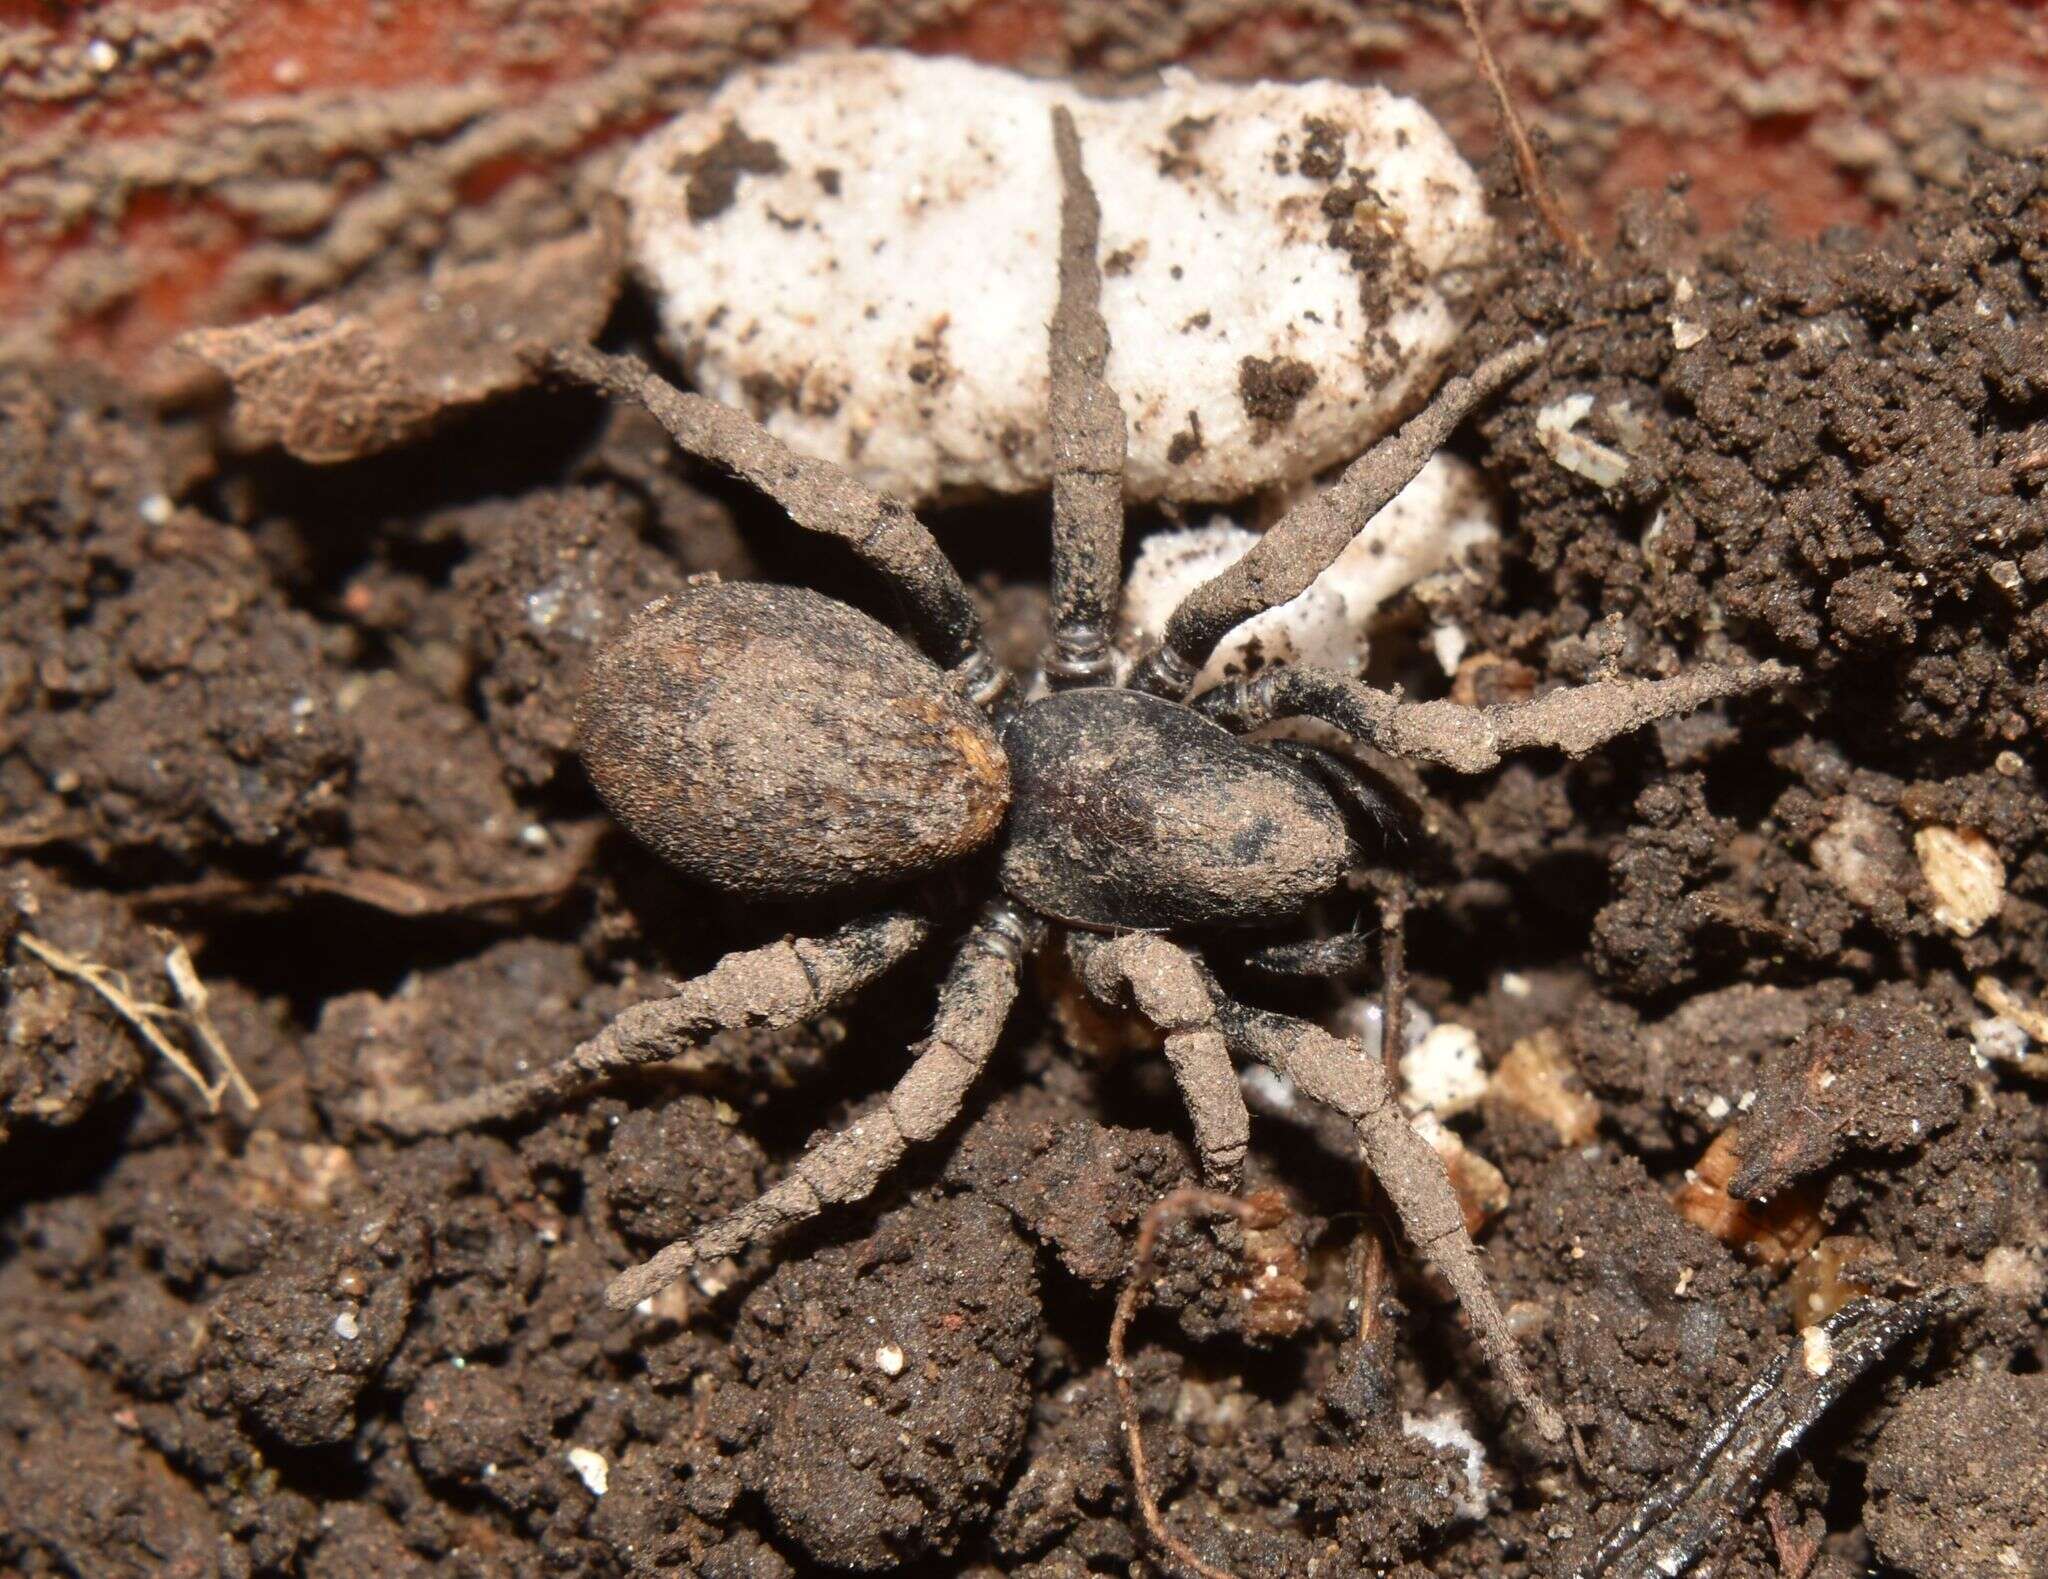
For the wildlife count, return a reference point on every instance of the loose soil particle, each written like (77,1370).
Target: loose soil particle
(281,1344)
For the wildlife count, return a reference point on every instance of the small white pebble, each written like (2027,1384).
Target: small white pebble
(1447,1430)
(591,1468)
(346,1326)
(1718,1108)
(1817,1351)
(889,1360)
(1967,877)
(534,836)
(155,508)
(1556,426)
(1516,985)
(1446,1075)
(101,56)
(1685,334)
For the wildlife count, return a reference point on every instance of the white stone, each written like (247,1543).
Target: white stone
(889,1359)
(591,1469)
(1967,877)
(1557,431)
(1429,528)
(1446,1074)
(1446,1430)
(891,266)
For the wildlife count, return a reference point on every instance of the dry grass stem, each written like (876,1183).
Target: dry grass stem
(142,1018)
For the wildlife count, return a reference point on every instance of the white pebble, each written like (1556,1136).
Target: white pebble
(154,508)
(1817,1351)
(1447,1430)
(882,254)
(591,1468)
(1968,879)
(1557,431)
(1446,1074)
(346,1327)
(1429,528)
(889,1360)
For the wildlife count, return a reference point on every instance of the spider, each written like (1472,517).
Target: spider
(778,744)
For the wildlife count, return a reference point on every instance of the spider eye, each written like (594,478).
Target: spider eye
(776,743)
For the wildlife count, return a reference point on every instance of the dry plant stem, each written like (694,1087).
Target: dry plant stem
(192,994)
(1143,1268)
(1717,1484)
(1575,719)
(1339,1075)
(782,984)
(1393,973)
(846,1166)
(884,532)
(1309,537)
(142,1017)
(1087,426)
(1534,182)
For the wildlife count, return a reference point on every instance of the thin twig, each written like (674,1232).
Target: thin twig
(1534,183)
(1177,1203)
(112,986)
(193,995)
(1393,974)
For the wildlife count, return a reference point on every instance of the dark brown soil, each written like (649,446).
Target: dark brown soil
(315,723)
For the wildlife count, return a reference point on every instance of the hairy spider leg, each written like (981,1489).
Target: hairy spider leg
(974,1004)
(1305,541)
(1343,1076)
(1575,719)
(1088,442)
(884,532)
(782,984)
(1171,990)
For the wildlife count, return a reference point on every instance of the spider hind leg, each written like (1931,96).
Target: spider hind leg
(848,1165)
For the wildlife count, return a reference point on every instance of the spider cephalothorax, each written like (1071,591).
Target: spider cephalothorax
(779,744)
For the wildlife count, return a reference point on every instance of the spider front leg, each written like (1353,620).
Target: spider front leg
(785,983)
(1171,990)
(1575,720)
(974,1004)
(1088,441)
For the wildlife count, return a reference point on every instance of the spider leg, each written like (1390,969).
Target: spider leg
(819,497)
(1170,988)
(846,1166)
(1341,1075)
(1309,537)
(782,984)
(1574,720)
(1087,427)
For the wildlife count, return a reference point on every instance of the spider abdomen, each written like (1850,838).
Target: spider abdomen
(1133,812)
(774,742)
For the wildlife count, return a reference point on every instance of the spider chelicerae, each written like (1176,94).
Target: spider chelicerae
(781,745)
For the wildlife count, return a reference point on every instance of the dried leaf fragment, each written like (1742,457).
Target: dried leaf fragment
(329,383)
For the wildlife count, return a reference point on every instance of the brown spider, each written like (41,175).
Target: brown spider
(779,744)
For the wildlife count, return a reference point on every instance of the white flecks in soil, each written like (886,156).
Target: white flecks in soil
(1429,529)
(862,247)
(1817,1351)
